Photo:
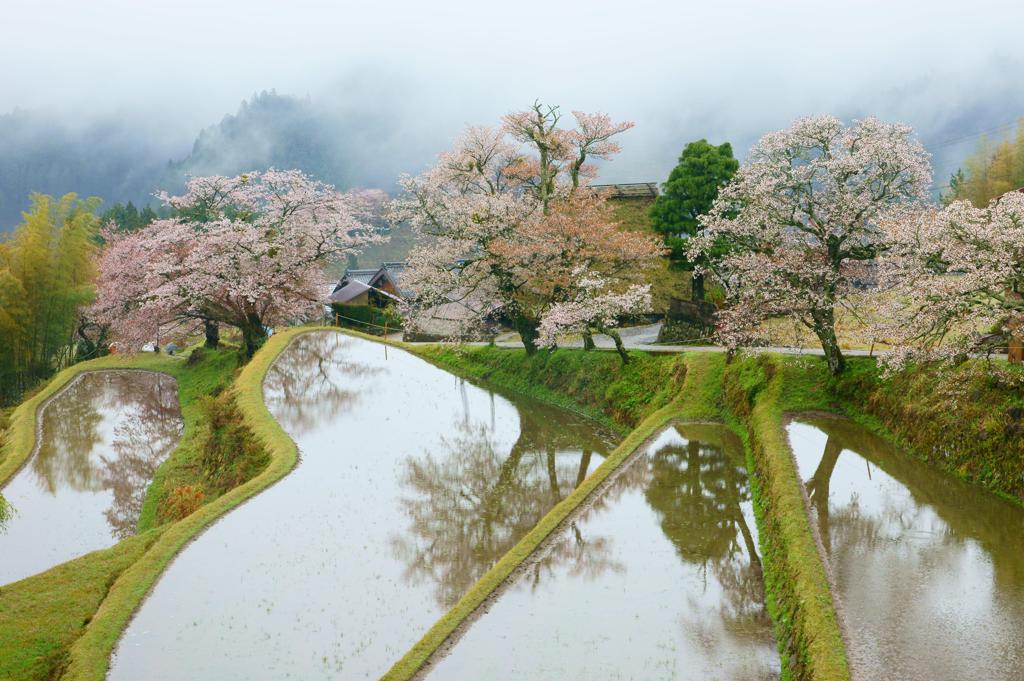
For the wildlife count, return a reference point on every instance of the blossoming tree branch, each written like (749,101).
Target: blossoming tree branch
(508,225)
(246,252)
(801,224)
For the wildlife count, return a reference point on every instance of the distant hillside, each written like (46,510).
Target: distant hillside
(105,158)
(346,146)
(269,130)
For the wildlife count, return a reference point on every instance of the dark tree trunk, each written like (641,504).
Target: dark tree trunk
(528,332)
(825,330)
(818,488)
(588,340)
(619,347)
(253,336)
(697,288)
(584,467)
(556,492)
(212,331)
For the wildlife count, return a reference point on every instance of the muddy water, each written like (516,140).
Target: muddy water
(930,570)
(102,439)
(659,579)
(411,485)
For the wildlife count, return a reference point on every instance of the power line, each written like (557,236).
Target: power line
(956,140)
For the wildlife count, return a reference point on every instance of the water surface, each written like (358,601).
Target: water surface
(930,569)
(102,438)
(411,484)
(659,579)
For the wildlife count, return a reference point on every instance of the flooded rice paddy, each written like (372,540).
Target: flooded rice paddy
(411,484)
(101,440)
(659,579)
(929,569)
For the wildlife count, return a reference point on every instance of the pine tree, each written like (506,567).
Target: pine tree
(691,189)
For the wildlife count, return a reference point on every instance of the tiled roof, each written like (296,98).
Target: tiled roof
(348,291)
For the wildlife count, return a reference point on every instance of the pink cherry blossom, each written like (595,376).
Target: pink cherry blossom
(801,222)
(245,251)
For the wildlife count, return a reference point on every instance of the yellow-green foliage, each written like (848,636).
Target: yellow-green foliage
(46,273)
(760,390)
(696,399)
(90,654)
(992,170)
(40,617)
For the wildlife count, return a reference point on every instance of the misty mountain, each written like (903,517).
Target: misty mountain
(365,134)
(342,145)
(276,131)
(104,158)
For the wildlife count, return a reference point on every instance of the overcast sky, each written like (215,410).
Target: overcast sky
(725,70)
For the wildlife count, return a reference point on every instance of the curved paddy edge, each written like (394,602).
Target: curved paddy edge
(25,422)
(90,654)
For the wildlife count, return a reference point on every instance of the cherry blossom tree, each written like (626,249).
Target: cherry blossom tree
(955,273)
(244,251)
(506,216)
(801,219)
(596,308)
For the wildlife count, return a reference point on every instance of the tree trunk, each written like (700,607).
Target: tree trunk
(825,329)
(1015,353)
(619,347)
(818,488)
(556,492)
(588,340)
(528,332)
(212,330)
(253,336)
(697,287)
(584,467)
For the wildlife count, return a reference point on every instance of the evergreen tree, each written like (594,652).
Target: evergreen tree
(691,189)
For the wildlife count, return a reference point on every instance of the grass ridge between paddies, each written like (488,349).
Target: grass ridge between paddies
(90,655)
(42,615)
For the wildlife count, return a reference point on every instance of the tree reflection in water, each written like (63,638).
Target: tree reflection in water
(109,431)
(469,502)
(301,398)
(918,555)
(664,562)
(697,487)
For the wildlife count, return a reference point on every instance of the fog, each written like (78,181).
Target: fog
(128,86)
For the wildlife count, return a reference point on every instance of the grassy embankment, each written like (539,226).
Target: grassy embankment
(966,420)
(666,283)
(65,622)
(759,391)
(90,654)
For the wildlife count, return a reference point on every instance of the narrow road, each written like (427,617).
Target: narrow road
(644,337)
